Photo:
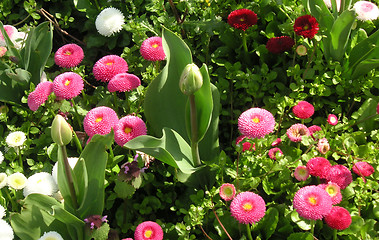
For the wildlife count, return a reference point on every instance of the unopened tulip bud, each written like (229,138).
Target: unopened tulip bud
(61,132)
(191,79)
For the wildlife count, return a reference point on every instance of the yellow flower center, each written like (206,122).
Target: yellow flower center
(154,45)
(332,192)
(67,53)
(242,19)
(99,119)
(228,191)
(148,233)
(67,83)
(127,130)
(306,27)
(256,120)
(247,207)
(109,63)
(312,200)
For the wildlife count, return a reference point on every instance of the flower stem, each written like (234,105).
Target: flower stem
(248,229)
(77,142)
(20,162)
(244,44)
(77,116)
(313,223)
(194,132)
(13,203)
(115,105)
(335,234)
(221,225)
(70,181)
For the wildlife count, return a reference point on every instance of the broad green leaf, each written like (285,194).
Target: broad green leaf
(304,224)
(320,11)
(363,49)
(300,236)
(20,75)
(82,5)
(365,66)
(362,116)
(269,222)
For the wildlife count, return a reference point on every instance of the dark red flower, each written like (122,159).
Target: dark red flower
(279,44)
(242,19)
(306,26)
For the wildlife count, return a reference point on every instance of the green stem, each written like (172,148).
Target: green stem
(127,102)
(13,203)
(248,229)
(194,131)
(313,223)
(237,176)
(70,181)
(335,234)
(77,142)
(244,44)
(20,162)
(77,116)
(115,105)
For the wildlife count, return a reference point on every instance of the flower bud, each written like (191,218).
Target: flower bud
(191,79)
(301,50)
(61,132)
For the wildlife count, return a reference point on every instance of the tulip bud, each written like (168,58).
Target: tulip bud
(191,79)
(61,132)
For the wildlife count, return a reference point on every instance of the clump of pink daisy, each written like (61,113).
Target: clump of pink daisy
(246,146)
(256,123)
(339,218)
(312,202)
(366,10)
(248,207)
(297,131)
(319,167)
(303,110)
(152,49)
(68,85)
(323,145)
(313,130)
(333,190)
(39,95)
(340,175)
(277,142)
(128,128)
(227,191)
(100,120)
(301,173)
(123,82)
(148,231)
(69,55)
(109,66)
(363,169)
(332,119)
(273,152)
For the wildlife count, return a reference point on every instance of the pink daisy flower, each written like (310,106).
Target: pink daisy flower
(340,175)
(152,49)
(248,207)
(256,123)
(39,95)
(296,131)
(10,30)
(227,191)
(303,110)
(366,10)
(363,169)
(246,146)
(332,119)
(109,66)
(273,151)
(68,85)
(100,120)
(277,142)
(69,55)
(339,218)
(314,129)
(123,82)
(312,202)
(128,128)
(3,51)
(319,167)
(377,109)
(323,146)
(301,173)
(333,190)
(148,231)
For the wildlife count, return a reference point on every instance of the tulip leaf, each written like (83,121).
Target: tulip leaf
(320,11)
(363,49)
(364,67)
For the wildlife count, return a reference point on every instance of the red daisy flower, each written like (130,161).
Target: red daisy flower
(301,173)
(333,190)
(69,55)
(363,169)
(296,131)
(68,85)
(148,231)
(303,110)
(248,207)
(123,82)
(323,146)
(128,128)
(152,49)
(339,218)
(319,167)
(100,120)
(340,175)
(256,123)
(109,66)
(242,19)
(246,146)
(332,119)
(227,191)
(306,26)
(39,95)
(312,202)
(273,151)
(281,44)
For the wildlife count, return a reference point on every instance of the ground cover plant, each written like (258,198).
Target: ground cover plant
(189,119)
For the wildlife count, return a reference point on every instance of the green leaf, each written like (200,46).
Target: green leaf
(123,189)
(10,46)
(302,223)
(82,5)
(269,222)
(300,236)
(320,11)
(363,49)
(365,66)
(366,115)
(21,76)
(101,233)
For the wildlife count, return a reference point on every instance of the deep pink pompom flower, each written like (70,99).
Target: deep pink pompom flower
(301,173)
(108,66)
(312,202)
(363,169)
(69,55)
(303,110)
(248,207)
(319,167)
(277,142)
(68,85)
(377,109)
(340,175)
(39,95)
(123,82)
(297,131)
(227,191)
(256,123)
(246,146)
(152,49)
(333,190)
(339,218)
(306,26)
(242,19)
(148,231)
(273,152)
(128,128)
(100,120)
(280,44)
(323,145)
(332,119)
(314,129)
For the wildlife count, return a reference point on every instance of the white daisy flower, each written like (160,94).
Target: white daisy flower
(328,3)
(109,21)
(52,235)
(15,139)
(1,157)
(6,232)
(71,161)
(2,212)
(42,183)
(3,180)
(17,181)
(366,10)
